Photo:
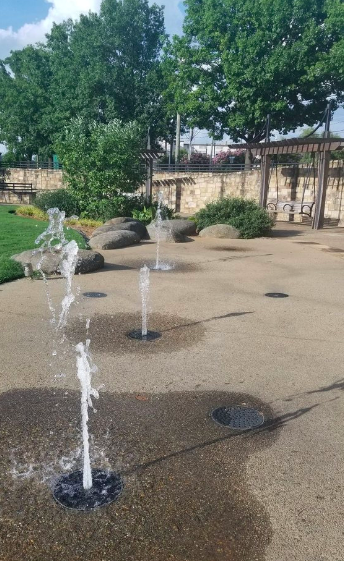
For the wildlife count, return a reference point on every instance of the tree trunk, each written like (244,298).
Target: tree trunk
(248,159)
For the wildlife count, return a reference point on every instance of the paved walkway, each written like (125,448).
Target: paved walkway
(223,340)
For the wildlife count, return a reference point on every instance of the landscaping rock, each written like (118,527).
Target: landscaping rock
(133,226)
(220,231)
(114,240)
(120,220)
(180,226)
(166,235)
(88,261)
(50,263)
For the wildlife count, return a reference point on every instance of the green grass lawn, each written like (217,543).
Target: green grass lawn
(18,234)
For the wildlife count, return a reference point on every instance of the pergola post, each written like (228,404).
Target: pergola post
(265,180)
(324,165)
(149,181)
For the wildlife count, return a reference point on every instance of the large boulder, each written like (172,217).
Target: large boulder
(166,235)
(220,231)
(50,262)
(88,261)
(181,226)
(114,240)
(133,226)
(120,220)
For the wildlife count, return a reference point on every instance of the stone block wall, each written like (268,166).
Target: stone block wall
(187,193)
(41,179)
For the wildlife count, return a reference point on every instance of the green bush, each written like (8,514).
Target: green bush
(31,212)
(105,209)
(251,220)
(61,199)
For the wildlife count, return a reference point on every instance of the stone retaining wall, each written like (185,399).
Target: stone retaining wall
(188,193)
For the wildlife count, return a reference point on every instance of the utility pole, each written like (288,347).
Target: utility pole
(178,138)
(190,143)
(327,132)
(268,126)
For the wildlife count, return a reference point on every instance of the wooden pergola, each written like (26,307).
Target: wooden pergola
(148,156)
(322,146)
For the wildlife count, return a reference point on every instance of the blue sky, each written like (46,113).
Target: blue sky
(15,13)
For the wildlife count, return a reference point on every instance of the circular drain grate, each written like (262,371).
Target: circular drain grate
(276,295)
(95,294)
(238,418)
(137,334)
(69,491)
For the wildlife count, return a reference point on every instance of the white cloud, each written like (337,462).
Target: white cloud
(63,9)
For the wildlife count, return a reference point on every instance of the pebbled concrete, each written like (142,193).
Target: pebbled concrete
(287,353)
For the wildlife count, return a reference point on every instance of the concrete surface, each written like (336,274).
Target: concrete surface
(224,336)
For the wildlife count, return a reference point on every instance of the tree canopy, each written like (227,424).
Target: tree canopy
(101,67)
(240,60)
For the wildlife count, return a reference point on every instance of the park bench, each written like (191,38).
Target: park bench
(292,207)
(18,189)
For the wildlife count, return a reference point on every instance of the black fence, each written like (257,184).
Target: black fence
(202,168)
(54,166)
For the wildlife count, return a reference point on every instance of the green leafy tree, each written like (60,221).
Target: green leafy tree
(240,60)
(25,104)
(106,66)
(101,162)
(101,67)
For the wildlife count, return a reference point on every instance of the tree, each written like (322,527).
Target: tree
(101,161)
(24,103)
(101,67)
(106,66)
(240,60)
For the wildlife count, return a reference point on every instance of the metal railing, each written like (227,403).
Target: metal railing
(31,165)
(202,168)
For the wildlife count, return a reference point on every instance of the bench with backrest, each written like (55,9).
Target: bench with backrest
(292,207)
(18,189)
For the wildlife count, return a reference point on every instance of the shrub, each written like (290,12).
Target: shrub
(196,158)
(101,162)
(87,222)
(228,157)
(31,212)
(148,214)
(107,208)
(61,199)
(251,220)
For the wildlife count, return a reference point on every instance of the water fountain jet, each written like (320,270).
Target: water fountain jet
(90,488)
(144,334)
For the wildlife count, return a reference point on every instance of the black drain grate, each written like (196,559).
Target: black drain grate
(137,334)
(69,491)
(276,295)
(94,294)
(238,418)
